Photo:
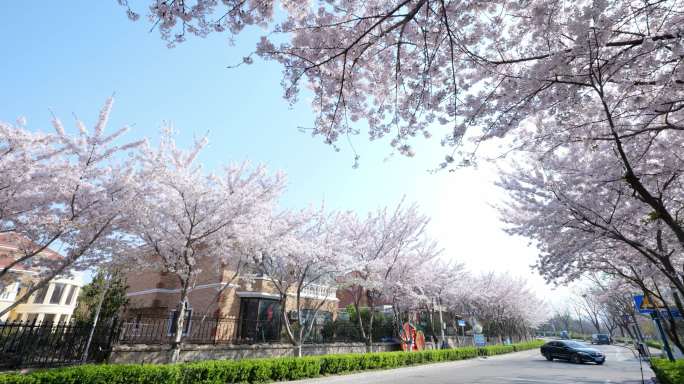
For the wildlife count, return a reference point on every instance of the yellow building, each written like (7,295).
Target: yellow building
(53,303)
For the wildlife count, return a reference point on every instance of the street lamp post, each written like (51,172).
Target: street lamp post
(441,324)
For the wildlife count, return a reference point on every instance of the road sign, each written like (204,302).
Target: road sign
(479,340)
(646,305)
(461,323)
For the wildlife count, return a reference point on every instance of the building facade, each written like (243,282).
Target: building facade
(244,308)
(53,303)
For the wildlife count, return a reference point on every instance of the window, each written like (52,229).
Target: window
(186,322)
(39,296)
(31,317)
(259,320)
(7,292)
(70,295)
(49,318)
(63,319)
(57,292)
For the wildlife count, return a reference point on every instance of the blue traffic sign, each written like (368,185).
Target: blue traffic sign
(461,323)
(647,306)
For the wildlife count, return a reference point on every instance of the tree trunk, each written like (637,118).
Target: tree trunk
(443,343)
(431,314)
(180,322)
(297,344)
(359,321)
(370,330)
(369,338)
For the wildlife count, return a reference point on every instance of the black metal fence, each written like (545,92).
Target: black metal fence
(199,330)
(32,344)
(46,344)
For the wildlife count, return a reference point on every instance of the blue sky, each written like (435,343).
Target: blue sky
(69,56)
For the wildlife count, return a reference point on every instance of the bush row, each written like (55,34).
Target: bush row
(654,344)
(668,372)
(252,370)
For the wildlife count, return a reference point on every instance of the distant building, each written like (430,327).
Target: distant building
(53,303)
(346,299)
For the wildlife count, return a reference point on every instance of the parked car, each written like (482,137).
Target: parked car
(573,351)
(565,335)
(600,338)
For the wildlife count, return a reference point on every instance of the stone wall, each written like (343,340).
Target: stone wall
(143,353)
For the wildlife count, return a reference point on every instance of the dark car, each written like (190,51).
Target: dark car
(600,338)
(572,351)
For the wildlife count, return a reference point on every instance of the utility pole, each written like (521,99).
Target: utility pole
(105,288)
(656,318)
(441,324)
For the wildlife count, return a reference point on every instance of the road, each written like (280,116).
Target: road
(526,367)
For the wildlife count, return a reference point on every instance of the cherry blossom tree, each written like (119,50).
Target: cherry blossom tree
(619,306)
(67,190)
(21,152)
(505,306)
(388,248)
(593,68)
(442,281)
(581,191)
(594,88)
(23,157)
(300,251)
(186,220)
(403,284)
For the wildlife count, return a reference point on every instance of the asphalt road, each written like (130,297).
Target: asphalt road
(621,367)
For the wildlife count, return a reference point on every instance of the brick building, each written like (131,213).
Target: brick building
(246,308)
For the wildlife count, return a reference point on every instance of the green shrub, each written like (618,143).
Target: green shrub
(654,344)
(668,372)
(492,350)
(528,345)
(254,370)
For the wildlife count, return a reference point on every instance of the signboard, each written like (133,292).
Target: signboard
(646,305)
(479,340)
(461,323)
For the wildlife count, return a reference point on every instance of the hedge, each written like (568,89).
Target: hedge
(668,372)
(654,344)
(252,370)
